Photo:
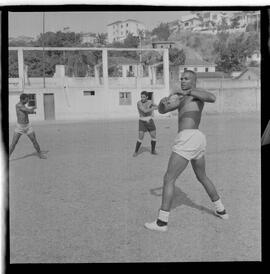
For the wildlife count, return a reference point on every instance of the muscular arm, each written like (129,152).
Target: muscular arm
(146,109)
(27,110)
(203,95)
(170,103)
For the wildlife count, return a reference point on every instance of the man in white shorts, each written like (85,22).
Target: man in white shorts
(23,126)
(189,145)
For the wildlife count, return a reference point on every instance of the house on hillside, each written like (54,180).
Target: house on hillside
(163,44)
(88,38)
(189,22)
(250,73)
(195,63)
(119,30)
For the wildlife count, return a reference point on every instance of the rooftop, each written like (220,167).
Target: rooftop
(255,70)
(163,42)
(128,20)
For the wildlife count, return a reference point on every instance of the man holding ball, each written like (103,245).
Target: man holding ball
(189,145)
(23,126)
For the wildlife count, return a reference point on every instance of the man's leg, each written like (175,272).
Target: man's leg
(176,166)
(198,166)
(15,139)
(32,137)
(138,143)
(153,141)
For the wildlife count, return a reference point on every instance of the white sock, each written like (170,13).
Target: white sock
(218,205)
(163,216)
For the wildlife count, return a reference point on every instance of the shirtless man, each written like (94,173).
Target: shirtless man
(23,126)
(146,122)
(190,145)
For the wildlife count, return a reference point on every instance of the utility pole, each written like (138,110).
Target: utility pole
(43,31)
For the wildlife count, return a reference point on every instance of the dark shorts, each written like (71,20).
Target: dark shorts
(147,126)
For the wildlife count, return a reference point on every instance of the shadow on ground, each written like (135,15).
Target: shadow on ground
(181,198)
(28,155)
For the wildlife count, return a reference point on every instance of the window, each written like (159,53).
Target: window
(32,101)
(121,26)
(206,69)
(195,69)
(127,24)
(124,98)
(89,93)
(185,69)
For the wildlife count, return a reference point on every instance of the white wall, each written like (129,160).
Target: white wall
(71,103)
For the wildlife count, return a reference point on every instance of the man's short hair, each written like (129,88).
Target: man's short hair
(193,73)
(23,96)
(144,92)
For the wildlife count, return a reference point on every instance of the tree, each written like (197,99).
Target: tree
(162,31)
(176,56)
(131,41)
(101,38)
(223,25)
(232,50)
(235,22)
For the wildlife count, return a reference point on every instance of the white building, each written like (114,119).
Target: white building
(88,38)
(119,30)
(195,63)
(189,22)
(99,97)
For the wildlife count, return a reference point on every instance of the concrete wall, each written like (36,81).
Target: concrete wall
(71,103)
(233,95)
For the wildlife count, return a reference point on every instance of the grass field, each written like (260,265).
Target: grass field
(88,201)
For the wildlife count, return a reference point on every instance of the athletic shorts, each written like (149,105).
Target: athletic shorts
(190,144)
(24,129)
(147,125)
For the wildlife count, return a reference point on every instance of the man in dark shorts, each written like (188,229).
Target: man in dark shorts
(24,127)
(189,146)
(146,122)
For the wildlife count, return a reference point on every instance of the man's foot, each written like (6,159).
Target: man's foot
(154,152)
(135,154)
(42,156)
(222,214)
(154,226)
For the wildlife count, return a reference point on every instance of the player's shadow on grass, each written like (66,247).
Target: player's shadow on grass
(144,149)
(181,198)
(28,155)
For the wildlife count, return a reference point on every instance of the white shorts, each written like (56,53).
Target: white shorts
(190,144)
(24,129)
